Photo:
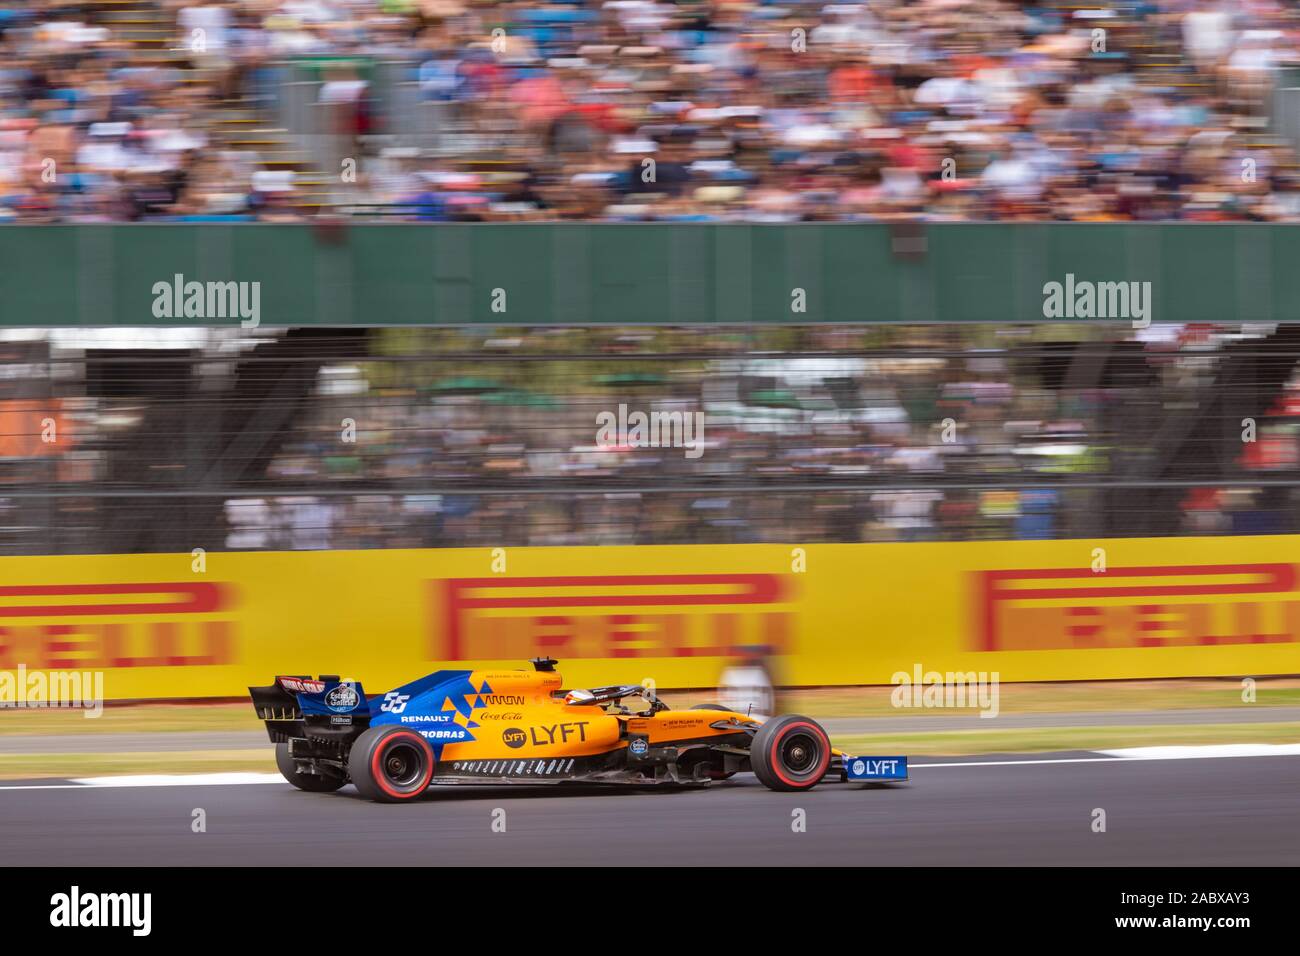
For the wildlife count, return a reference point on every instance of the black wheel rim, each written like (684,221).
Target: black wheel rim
(801,753)
(403,765)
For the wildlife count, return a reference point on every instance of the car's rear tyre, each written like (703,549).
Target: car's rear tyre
(790,753)
(311,782)
(390,764)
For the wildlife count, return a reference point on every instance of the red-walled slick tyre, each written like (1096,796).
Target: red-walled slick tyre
(790,753)
(390,764)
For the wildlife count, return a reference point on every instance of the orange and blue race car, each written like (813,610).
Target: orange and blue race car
(517,726)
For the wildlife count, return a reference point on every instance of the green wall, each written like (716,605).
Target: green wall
(387,274)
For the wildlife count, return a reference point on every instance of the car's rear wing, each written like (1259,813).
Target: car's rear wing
(299,706)
(279,709)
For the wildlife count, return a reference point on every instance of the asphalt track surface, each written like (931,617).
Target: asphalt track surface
(1004,810)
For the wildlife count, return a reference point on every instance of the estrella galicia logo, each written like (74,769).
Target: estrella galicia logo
(342,698)
(513,737)
(639,746)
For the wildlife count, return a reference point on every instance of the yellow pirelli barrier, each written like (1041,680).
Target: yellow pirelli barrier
(832,614)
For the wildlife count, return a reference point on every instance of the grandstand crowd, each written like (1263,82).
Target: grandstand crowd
(470,438)
(757,110)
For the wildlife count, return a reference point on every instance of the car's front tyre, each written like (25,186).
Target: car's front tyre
(790,753)
(391,764)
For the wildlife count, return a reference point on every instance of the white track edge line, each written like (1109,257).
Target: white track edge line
(1141,754)
(157,780)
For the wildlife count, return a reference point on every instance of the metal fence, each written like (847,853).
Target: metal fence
(421,438)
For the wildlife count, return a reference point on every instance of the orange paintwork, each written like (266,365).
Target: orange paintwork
(538,724)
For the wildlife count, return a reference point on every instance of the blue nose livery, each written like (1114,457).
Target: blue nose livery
(875,768)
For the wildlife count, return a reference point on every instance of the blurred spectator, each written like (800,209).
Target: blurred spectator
(745,684)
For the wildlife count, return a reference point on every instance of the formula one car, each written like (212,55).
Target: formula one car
(520,727)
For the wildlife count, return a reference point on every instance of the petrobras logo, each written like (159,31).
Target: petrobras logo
(1190,605)
(342,698)
(460,733)
(604,616)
